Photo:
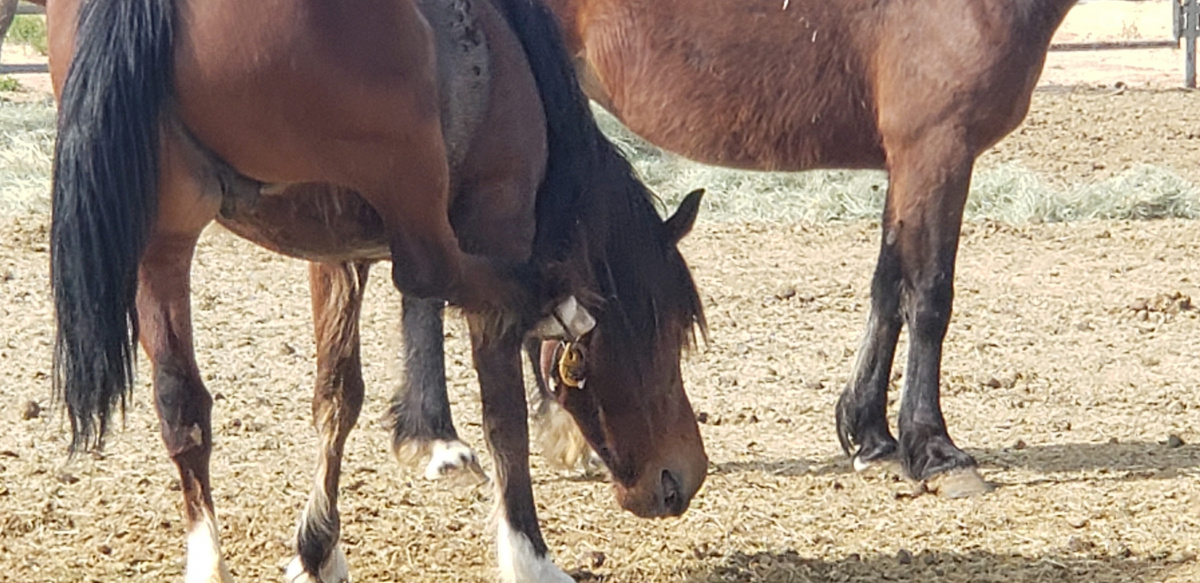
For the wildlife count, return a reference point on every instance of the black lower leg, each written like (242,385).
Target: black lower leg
(862,408)
(420,410)
(505,425)
(925,445)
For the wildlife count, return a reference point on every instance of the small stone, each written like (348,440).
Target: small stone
(598,559)
(31,410)
(1113,441)
(814,385)
(702,417)
(1174,441)
(1020,444)
(753,418)
(1075,544)
(1077,522)
(787,293)
(904,557)
(287,349)
(1084,327)
(994,383)
(66,478)
(104,549)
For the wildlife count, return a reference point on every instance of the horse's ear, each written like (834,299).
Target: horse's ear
(680,223)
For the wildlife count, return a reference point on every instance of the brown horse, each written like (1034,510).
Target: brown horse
(448,136)
(917,87)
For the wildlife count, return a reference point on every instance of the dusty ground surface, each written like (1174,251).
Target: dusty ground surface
(1053,379)
(1062,388)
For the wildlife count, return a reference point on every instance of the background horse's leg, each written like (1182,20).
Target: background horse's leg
(183,403)
(337,291)
(420,411)
(8,11)
(521,551)
(929,178)
(862,409)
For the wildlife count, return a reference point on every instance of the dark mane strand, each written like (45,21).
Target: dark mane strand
(593,211)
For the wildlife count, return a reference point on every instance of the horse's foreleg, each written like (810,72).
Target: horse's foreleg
(420,410)
(862,409)
(521,551)
(184,405)
(929,183)
(337,291)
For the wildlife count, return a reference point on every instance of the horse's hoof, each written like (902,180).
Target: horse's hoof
(960,483)
(333,570)
(453,459)
(886,465)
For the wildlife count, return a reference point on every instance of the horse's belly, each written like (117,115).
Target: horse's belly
(313,222)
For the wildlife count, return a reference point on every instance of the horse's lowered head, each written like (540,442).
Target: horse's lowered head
(619,375)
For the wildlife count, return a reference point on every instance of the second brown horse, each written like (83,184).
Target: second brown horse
(917,87)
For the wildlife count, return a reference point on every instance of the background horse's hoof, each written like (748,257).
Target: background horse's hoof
(960,483)
(887,465)
(453,459)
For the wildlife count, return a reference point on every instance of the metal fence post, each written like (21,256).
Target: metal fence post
(1186,18)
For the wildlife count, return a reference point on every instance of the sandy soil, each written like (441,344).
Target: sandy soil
(1068,367)
(1062,388)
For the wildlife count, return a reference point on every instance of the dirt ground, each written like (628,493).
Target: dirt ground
(1069,366)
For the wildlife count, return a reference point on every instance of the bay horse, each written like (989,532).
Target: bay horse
(449,136)
(918,88)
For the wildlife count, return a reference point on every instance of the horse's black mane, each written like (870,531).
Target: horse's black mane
(592,206)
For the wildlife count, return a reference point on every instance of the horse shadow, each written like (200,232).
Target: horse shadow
(1127,461)
(1082,564)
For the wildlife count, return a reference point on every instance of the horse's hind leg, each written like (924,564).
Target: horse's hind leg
(420,411)
(337,291)
(183,403)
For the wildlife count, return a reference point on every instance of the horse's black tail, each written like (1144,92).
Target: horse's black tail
(573,138)
(104,201)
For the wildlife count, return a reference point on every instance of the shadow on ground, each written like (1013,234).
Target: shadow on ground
(936,566)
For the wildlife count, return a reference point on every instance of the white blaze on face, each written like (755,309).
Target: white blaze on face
(204,562)
(519,563)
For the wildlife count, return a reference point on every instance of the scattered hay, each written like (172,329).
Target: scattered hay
(26,150)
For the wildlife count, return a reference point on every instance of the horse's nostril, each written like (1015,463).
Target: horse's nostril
(672,498)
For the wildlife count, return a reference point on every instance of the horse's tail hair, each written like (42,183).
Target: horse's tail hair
(104,201)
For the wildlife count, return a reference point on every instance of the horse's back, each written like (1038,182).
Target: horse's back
(774,85)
